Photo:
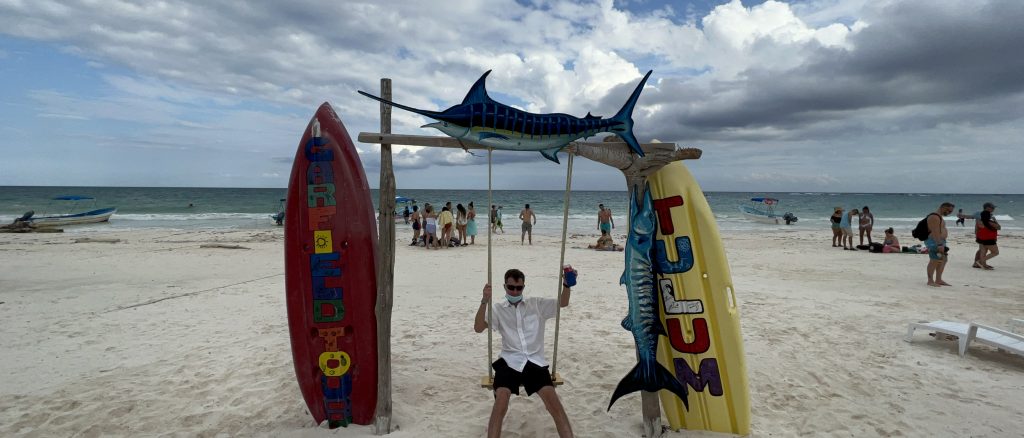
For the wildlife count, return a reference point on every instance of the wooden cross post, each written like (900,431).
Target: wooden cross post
(385,271)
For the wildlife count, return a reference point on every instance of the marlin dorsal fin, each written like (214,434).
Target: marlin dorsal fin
(478,93)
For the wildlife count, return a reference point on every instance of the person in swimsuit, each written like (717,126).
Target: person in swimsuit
(605,243)
(605,223)
(471,223)
(890,244)
(866,221)
(844,224)
(415,217)
(430,228)
(986,231)
(460,223)
(529,219)
(989,207)
(936,244)
(960,218)
(444,226)
(837,232)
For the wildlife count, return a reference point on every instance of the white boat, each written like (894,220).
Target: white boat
(763,210)
(57,220)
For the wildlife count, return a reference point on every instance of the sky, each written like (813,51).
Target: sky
(859,96)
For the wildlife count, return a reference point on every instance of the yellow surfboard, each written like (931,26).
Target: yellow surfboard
(704,346)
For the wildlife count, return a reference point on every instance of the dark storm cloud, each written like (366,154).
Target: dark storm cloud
(912,53)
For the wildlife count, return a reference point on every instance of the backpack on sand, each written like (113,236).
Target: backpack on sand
(921,230)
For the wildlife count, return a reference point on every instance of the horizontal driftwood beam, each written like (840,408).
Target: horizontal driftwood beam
(449,142)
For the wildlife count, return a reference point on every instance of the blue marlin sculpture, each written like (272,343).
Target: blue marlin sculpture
(482,120)
(643,319)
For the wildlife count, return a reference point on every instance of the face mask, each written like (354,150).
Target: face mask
(513,299)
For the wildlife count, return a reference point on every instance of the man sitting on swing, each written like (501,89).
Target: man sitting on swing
(520,320)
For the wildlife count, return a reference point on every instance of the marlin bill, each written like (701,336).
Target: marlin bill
(483,120)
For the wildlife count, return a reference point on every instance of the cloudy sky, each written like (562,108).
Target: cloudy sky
(804,95)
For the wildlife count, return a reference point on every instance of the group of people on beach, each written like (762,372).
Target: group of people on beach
(986,235)
(842,228)
(435,230)
(986,231)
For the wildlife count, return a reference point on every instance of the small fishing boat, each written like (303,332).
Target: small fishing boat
(763,210)
(88,217)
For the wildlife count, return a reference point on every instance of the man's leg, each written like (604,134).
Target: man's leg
(529,232)
(931,271)
(554,406)
(501,397)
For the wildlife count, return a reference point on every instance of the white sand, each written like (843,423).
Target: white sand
(154,335)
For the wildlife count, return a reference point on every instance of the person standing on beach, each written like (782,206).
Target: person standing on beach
(415,217)
(471,223)
(989,207)
(986,231)
(847,229)
(529,220)
(445,224)
(520,321)
(461,221)
(866,221)
(605,223)
(936,243)
(960,218)
(837,231)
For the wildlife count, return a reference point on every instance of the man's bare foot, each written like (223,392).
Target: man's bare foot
(933,284)
(942,283)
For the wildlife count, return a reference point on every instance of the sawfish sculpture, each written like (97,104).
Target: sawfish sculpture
(643,320)
(483,120)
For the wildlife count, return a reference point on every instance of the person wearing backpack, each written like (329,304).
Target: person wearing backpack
(936,244)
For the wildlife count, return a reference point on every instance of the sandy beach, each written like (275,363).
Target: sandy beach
(146,333)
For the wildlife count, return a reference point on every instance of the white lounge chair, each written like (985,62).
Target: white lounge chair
(993,337)
(957,329)
(1017,325)
(967,333)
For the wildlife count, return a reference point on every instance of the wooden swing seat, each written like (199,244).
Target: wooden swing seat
(488,382)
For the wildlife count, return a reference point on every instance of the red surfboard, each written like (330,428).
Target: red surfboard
(330,252)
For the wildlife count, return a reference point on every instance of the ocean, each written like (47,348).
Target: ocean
(236,208)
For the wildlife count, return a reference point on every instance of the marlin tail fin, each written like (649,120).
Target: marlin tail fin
(636,380)
(625,118)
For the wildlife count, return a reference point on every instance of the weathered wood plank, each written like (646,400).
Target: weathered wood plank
(385,270)
(454,143)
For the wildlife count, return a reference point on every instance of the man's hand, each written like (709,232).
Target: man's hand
(487,293)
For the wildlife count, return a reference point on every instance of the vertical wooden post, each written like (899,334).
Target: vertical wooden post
(385,270)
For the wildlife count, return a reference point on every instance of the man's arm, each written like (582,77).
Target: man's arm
(565,296)
(480,322)
(534,216)
(611,218)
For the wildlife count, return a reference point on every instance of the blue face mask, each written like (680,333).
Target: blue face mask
(513,299)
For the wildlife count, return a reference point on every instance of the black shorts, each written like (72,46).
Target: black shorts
(533,378)
(986,242)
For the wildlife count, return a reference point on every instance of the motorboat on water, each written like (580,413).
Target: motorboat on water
(58,220)
(763,210)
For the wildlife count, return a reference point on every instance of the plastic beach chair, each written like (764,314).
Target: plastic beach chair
(973,332)
(957,329)
(993,337)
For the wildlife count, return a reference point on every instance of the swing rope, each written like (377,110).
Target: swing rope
(561,262)
(561,279)
(490,300)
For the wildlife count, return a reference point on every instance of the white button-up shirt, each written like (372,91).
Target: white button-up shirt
(522,330)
